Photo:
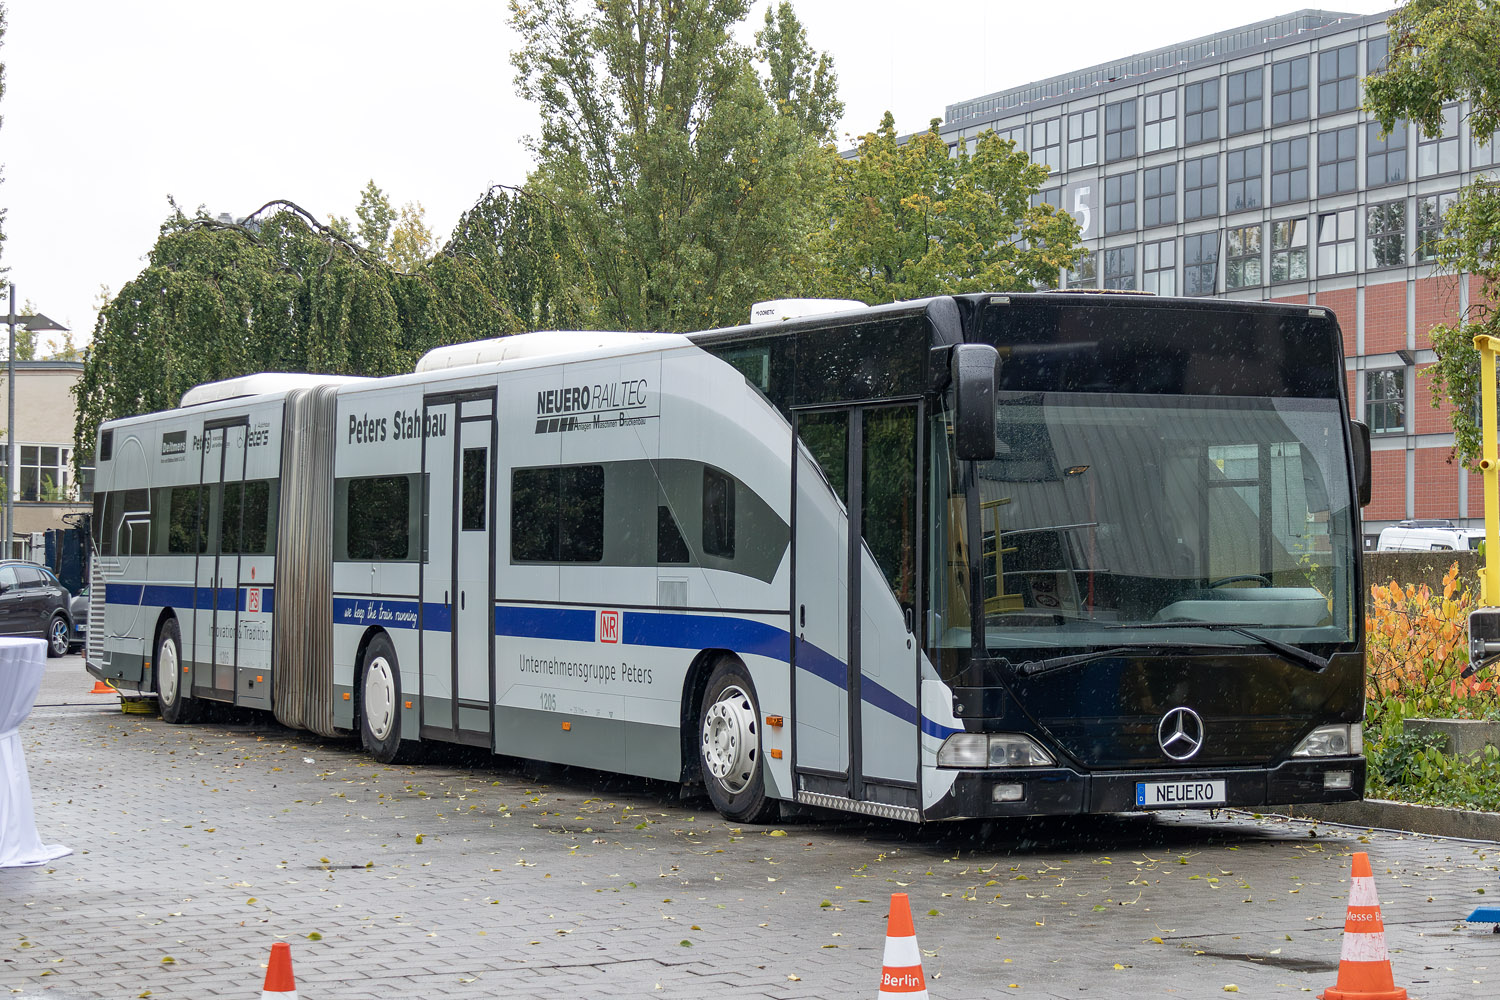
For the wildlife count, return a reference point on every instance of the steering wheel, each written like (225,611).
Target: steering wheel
(1242,578)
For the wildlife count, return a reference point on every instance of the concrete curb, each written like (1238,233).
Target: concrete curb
(1438,821)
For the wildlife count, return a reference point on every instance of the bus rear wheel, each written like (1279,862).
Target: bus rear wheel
(729,751)
(380,702)
(174,696)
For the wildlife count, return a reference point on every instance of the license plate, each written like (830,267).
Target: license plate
(1160,794)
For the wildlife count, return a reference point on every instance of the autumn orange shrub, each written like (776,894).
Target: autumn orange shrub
(1416,648)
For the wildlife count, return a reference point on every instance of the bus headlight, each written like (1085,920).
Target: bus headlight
(1332,741)
(976,750)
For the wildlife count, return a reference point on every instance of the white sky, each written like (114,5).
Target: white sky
(110,107)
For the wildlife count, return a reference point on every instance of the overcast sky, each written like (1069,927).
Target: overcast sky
(110,106)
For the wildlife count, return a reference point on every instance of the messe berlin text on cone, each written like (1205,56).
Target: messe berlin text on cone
(1364,965)
(901,975)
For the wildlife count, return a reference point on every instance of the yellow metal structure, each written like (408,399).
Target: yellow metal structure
(1489,465)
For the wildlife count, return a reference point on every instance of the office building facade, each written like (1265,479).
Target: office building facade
(1240,165)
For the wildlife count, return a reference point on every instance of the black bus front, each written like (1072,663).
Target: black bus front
(1150,596)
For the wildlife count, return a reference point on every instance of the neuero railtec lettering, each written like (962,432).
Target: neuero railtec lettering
(624,394)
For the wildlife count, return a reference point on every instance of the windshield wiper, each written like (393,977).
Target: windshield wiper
(1032,668)
(1298,655)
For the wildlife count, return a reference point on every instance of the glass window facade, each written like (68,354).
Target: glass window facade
(1084,273)
(1119,130)
(1439,154)
(1119,203)
(1242,262)
(1289,170)
(1119,268)
(1159,195)
(1046,143)
(1485,151)
(1200,111)
(1246,104)
(1083,138)
(1385,158)
(1338,88)
(1335,242)
(1289,91)
(1432,209)
(1289,250)
(1200,263)
(1160,260)
(1200,188)
(1385,401)
(1377,51)
(1243,173)
(1161,120)
(1336,162)
(1385,234)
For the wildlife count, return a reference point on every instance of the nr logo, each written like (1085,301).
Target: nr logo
(609,626)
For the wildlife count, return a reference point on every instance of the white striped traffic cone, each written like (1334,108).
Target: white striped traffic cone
(1364,965)
(901,975)
(279,982)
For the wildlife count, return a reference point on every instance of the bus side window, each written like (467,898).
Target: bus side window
(718,514)
(184,517)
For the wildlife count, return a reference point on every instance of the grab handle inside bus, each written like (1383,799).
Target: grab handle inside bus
(1359,433)
(973,367)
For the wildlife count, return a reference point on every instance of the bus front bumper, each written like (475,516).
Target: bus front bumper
(1060,791)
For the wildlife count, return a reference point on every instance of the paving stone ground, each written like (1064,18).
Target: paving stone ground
(197,847)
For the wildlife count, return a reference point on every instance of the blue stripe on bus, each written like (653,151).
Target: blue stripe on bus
(567,624)
(159,595)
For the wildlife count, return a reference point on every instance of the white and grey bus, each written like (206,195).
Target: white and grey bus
(981,555)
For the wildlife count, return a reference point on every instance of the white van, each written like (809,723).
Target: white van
(1428,536)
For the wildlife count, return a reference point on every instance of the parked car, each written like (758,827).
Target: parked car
(78,609)
(34,604)
(1428,536)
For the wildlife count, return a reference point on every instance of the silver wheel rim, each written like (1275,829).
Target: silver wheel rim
(59,636)
(166,670)
(731,741)
(380,697)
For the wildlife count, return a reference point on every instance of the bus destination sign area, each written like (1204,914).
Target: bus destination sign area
(1176,794)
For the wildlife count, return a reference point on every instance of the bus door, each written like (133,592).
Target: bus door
(857,518)
(458,578)
(216,610)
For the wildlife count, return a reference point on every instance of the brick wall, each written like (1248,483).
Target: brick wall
(1385,318)
(1429,420)
(1387,486)
(1342,304)
(1436,302)
(1436,485)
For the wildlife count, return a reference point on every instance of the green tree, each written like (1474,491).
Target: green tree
(411,240)
(1443,51)
(910,220)
(375,216)
(279,293)
(800,82)
(26,339)
(663,154)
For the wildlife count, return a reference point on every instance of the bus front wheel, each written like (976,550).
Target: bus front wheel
(729,750)
(174,695)
(380,702)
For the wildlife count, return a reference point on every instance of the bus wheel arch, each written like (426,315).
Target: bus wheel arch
(693,685)
(378,698)
(174,694)
(728,751)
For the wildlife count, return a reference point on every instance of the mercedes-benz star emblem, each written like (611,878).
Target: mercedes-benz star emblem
(1180,733)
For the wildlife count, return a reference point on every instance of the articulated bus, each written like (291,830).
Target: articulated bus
(970,556)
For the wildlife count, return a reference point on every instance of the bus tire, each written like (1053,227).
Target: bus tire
(729,751)
(174,696)
(380,702)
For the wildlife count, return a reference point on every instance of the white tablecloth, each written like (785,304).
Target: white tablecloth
(22,662)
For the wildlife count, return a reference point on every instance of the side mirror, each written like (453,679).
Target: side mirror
(973,368)
(1359,433)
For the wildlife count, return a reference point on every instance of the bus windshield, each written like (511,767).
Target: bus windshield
(1102,511)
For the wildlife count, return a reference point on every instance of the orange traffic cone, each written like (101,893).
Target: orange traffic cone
(102,687)
(901,975)
(279,982)
(1364,966)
